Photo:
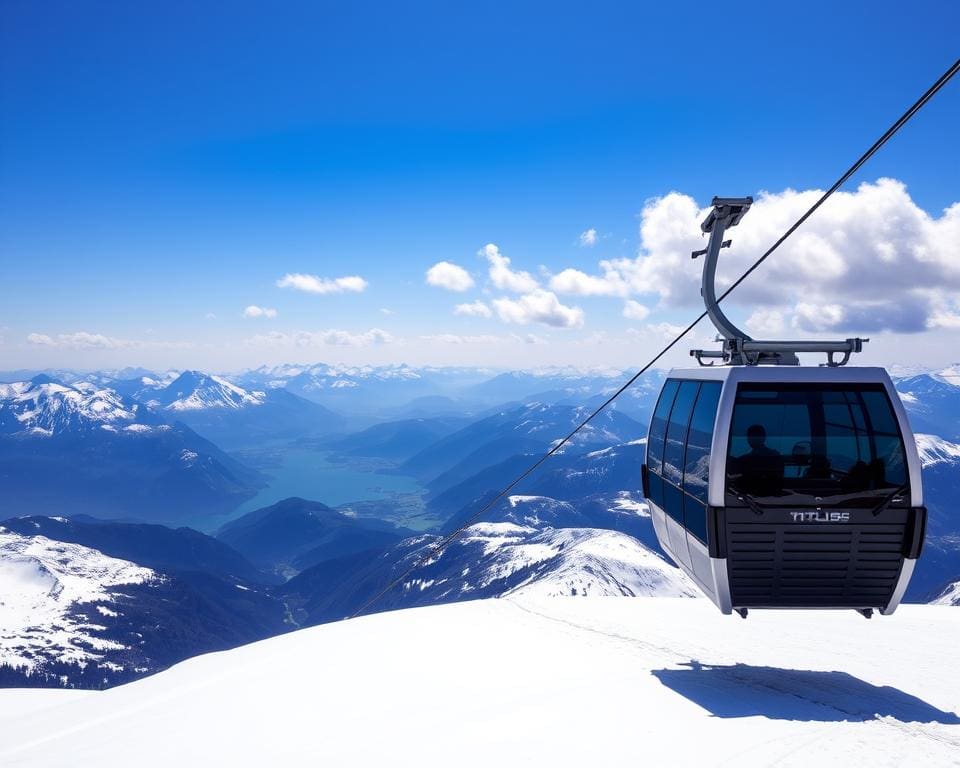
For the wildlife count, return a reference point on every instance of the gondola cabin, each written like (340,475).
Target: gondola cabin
(778,486)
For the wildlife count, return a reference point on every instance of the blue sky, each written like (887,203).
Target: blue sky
(163,166)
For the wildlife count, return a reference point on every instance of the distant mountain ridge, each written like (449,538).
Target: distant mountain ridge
(194,391)
(295,534)
(82,448)
(530,428)
(171,550)
(932,401)
(234,417)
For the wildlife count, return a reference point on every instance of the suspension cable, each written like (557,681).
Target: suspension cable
(447,540)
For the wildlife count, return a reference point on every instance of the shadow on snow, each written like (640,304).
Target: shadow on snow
(742,690)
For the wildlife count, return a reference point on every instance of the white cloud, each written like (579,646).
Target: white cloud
(502,276)
(634,310)
(450,276)
(78,340)
(487,338)
(473,309)
(452,338)
(942,318)
(253,311)
(868,260)
(538,306)
(322,285)
(210,316)
(347,339)
(573,281)
(82,340)
(766,322)
(588,239)
(333,337)
(386,311)
(659,331)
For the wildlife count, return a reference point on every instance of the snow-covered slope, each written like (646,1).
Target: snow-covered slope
(73,616)
(533,681)
(488,560)
(591,563)
(46,407)
(561,561)
(932,401)
(936,450)
(949,596)
(44,583)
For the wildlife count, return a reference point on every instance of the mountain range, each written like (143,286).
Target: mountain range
(81,449)
(90,463)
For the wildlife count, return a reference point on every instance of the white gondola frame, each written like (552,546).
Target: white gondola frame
(691,555)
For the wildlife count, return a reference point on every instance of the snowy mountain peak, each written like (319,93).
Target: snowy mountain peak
(44,406)
(194,391)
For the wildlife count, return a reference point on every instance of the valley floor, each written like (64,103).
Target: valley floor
(531,681)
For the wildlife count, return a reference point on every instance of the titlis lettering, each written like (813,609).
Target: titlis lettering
(820,517)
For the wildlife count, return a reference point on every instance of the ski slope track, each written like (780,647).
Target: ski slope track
(530,680)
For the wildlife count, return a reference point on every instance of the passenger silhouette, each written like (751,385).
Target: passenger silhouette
(761,469)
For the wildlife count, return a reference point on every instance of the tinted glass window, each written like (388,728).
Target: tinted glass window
(658,425)
(696,473)
(673,501)
(793,444)
(673,452)
(695,517)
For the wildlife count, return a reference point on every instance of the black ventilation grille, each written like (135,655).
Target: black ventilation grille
(813,566)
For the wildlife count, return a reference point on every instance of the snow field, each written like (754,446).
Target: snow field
(534,681)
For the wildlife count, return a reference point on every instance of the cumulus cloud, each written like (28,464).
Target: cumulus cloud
(766,322)
(588,239)
(502,276)
(634,310)
(538,306)
(330,337)
(868,260)
(473,309)
(322,285)
(451,277)
(253,311)
(578,283)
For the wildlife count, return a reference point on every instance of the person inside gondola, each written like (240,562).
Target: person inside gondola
(761,469)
